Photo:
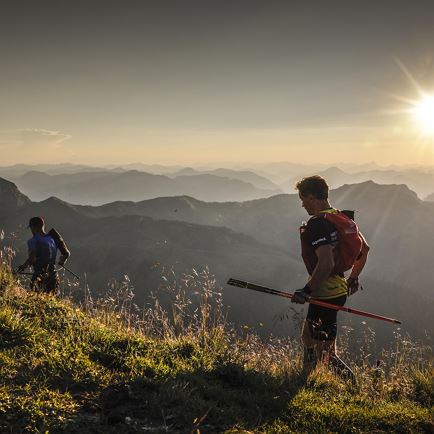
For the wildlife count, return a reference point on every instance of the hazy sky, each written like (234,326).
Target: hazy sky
(185,82)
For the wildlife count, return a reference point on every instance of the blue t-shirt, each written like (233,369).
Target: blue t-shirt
(45,249)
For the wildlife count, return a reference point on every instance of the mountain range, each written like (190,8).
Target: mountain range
(394,220)
(98,187)
(254,240)
(420,181)
(253,178)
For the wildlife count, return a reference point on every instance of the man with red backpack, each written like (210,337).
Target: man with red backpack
(331,245)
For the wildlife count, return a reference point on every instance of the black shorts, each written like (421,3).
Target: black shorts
(323,321)
(324,315)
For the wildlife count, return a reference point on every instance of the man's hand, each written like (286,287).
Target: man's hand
(353,285)
(301,295)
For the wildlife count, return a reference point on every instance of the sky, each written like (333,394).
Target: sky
(200,82)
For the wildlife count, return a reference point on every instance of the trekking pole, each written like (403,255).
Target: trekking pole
(16,271)
(243,284)
(69,271)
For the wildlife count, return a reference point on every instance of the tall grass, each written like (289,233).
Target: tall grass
(181,360)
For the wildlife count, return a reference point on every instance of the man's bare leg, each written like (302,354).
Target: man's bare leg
(326,352)
(309,355)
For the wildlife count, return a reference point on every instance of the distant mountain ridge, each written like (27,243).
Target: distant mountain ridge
(51,169)
(419,181)
(10,196)
(99,187)
(430,198)
(243,175)
(276,177)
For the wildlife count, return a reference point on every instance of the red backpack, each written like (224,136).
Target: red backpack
(350,242)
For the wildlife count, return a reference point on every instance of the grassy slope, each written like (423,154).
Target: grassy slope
(64,370)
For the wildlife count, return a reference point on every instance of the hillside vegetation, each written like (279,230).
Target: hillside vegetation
(100,367)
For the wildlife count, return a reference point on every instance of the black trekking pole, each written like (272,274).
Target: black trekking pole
(71,272)
(17,270)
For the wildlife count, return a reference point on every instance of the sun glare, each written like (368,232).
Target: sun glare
(424,114)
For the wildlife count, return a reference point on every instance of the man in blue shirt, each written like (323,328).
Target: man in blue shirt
(42,249)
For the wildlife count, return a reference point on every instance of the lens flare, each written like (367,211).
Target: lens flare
(424,114)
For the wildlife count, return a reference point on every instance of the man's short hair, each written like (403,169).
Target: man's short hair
(315,185)
(37,222)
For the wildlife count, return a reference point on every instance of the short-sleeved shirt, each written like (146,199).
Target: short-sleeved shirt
(321,232)
(45,249)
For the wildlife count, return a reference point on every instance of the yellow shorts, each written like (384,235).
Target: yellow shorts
(332,287)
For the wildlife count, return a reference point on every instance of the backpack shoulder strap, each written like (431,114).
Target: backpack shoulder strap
(60,243)
(349,213)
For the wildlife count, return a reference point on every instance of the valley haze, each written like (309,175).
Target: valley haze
(256,240)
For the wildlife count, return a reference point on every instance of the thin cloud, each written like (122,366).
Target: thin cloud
(30,138)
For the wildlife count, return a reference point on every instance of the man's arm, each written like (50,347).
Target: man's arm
(326,264)
(361,260)
(29,261)
(323,268)
(321,272)
(353,279)
(65,255)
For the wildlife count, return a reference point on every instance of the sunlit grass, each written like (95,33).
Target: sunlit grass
(107,366)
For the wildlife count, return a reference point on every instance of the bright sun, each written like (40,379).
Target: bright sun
(423,112)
